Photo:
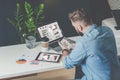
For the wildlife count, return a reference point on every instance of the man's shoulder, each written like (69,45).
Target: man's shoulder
(96,32)
(106,28)
(91,35)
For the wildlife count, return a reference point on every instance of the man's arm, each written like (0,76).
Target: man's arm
(74,57)
(65,52)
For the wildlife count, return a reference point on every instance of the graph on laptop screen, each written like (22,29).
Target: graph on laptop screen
(51,31)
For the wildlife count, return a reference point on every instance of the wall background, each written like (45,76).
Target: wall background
(8,33)
(55,10)
(114,4)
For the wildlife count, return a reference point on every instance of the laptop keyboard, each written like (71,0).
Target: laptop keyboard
(55,46)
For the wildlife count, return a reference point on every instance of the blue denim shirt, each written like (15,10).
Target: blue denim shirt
(96,53)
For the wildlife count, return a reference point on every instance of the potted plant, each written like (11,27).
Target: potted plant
(27,23)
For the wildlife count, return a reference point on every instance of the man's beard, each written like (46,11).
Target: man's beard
(79,33)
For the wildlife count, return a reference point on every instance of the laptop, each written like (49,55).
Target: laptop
(53,32)
(116,14)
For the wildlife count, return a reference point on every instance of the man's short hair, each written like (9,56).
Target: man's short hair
(80,15)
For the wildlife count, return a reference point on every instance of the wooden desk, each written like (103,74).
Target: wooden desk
(10,54)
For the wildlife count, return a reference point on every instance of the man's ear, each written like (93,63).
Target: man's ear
(80,28)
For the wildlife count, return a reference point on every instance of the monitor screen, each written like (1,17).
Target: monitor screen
(52,31)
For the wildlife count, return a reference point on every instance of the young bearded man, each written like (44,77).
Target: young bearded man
(95,53)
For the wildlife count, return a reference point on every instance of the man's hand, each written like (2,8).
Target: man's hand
(65,52)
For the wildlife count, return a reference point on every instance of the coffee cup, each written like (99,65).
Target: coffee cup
(44,44)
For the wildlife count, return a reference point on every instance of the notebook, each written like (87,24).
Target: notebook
(116,14)
(53,32)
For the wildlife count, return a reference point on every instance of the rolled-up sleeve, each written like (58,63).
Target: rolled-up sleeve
(76,57)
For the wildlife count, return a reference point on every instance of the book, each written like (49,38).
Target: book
(48,57)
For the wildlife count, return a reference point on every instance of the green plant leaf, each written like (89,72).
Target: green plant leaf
(29,21)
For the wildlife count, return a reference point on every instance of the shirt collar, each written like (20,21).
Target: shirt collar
(91,28)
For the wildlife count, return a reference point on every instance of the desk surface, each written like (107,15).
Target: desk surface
(10,54)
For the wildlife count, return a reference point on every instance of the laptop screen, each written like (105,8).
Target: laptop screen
(52,31)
